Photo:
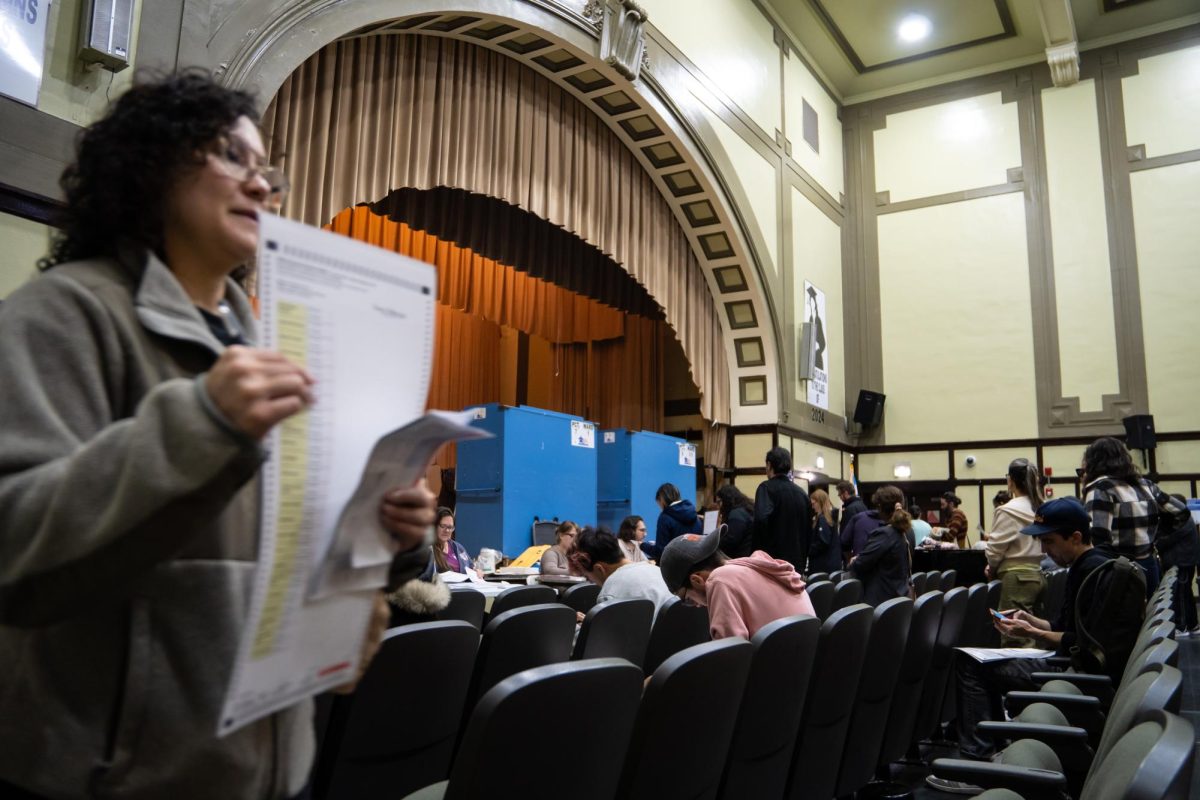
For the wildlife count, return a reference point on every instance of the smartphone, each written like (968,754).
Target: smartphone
(998,615)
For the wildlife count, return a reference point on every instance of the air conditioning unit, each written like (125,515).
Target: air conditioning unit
(105,33)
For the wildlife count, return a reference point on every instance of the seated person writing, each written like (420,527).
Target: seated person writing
(741,594)
(599,557)
(554,561)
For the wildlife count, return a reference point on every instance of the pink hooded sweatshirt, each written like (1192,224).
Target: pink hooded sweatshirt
(745,594)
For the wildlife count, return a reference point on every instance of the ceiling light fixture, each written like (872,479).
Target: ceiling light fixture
(914,28)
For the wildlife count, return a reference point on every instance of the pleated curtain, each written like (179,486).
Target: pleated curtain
(365,116)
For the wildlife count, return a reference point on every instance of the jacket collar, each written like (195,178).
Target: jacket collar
(165,308)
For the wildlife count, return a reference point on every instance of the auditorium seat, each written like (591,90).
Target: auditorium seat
(466,605)
(684,725)
(365,753)
(941,665)
(835,678)
(521,639)
(501,738)
(581,597)
(519,596)
(820,594)
(678,626)
(873,700)
(847,593)
(949,580)
(776,691)
(616,629)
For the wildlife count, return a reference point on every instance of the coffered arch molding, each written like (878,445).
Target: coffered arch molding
(257,45)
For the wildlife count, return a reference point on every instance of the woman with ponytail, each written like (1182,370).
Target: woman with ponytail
(885,564)
(1013,558)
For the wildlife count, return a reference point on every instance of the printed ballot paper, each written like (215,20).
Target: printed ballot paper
(361,320)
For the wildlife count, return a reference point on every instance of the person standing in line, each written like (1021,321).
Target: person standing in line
(922,530)
(885,563)
(677,518)
(1179,546)
(825,552)
(782,515)
(852,504)
(737,515)
(1013,557)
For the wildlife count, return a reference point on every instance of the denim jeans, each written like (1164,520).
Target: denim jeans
(981,690)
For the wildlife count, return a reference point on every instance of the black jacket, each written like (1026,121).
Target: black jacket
(1177,541)
(850,509)
(737,541)
(825,551)
(883,566)
(782,520)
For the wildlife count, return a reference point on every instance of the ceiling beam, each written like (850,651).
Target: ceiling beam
(1062,43)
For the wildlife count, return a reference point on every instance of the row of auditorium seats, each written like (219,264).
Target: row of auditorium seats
(825,707)
(1081,737)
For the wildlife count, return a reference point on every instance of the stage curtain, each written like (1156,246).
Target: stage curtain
(365,116)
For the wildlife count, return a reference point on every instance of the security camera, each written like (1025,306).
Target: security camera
(970,461)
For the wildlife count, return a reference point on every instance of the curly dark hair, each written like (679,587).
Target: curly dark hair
(126,162)
(1109,457)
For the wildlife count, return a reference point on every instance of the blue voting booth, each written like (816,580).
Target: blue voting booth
(540,464)
(633,464)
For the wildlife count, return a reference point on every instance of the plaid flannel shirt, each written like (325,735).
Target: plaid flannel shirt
(1124,516)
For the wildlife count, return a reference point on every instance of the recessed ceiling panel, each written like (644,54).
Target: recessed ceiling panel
(871,33)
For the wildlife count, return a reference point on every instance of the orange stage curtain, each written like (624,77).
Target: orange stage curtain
(596,361)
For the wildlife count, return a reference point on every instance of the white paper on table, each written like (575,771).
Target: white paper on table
(985,654)
(710,521)
(334,305)
(358,555)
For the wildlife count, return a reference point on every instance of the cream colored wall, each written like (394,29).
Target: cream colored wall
(24,243)
(990,464)
(956,368)
(949,147)
(68,90)
(804,456)
(759,180)
(748,483)
(1081,264)
(733,44)
(817,258)
(1162,103)
(927,465)
(1177,487)
(1178,457)
(825,165)
(750,450)
(1166,212)
(1063,459)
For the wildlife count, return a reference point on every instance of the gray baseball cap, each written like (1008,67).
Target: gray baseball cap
(682,553)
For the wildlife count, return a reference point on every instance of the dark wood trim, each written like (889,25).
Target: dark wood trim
(1008,30)
(28,205)
(1178,436)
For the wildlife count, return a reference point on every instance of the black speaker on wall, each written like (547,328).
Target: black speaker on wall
(1139,432)
(869,410)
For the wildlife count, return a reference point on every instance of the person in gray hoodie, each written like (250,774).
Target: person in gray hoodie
(1012,558)
(133,404)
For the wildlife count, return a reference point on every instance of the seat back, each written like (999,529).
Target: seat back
(465,605)
(919,581)
(512,714)
(977,624)
(542,532)
(521,596)
(681,738)
(948,579)
(815,577)
(1159,686)
(837,576)
(581,596)
(835,679)
(677,627)
(873,700)
(616,629)
(1055,592)
(941,665)
(364,752)
(1153,760)
(846,593)
(820,594)
(993,599)
(918,652)
(776,691)
(521,639)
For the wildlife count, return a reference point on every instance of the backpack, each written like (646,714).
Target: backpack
(1107,626)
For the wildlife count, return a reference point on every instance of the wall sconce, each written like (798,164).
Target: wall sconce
(820,461)
(903,470)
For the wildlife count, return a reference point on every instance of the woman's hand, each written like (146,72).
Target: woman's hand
(257,389)
(406,515)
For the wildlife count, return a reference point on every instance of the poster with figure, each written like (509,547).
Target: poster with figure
(814,312)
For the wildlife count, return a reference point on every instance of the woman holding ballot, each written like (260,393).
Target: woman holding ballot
(133,406)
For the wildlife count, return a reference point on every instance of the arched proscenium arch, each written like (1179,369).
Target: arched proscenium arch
(259,44)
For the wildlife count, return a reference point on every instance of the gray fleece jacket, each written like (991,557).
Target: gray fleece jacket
(128,539)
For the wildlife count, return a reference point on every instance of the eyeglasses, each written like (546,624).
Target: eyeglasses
(234,158)
(445,527)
